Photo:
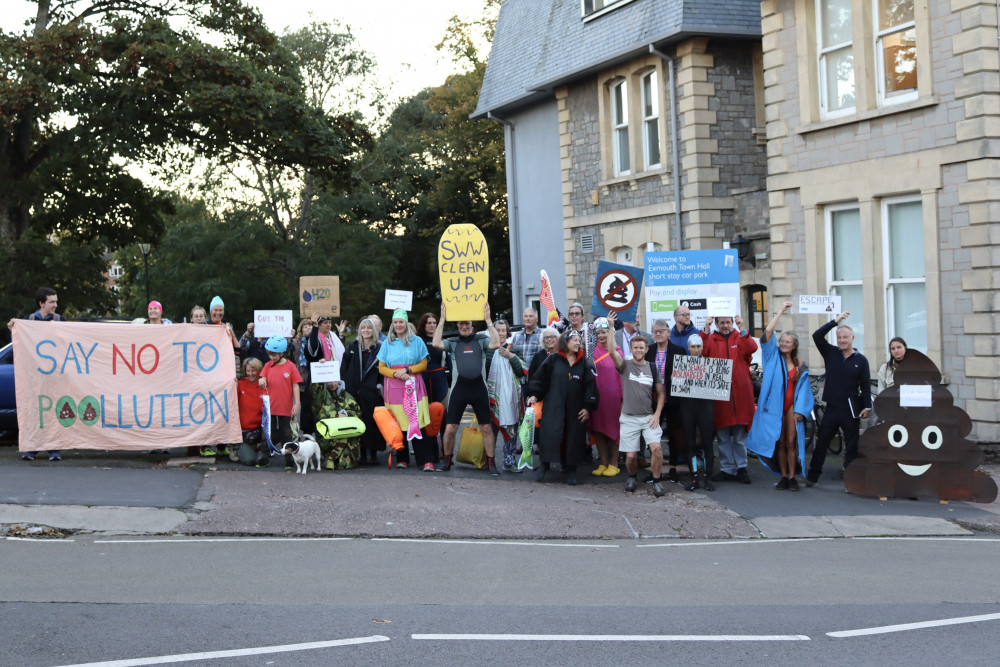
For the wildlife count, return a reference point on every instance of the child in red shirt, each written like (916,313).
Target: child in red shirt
(281,379)
(249,396)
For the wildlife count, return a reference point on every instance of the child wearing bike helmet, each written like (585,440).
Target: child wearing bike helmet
(281,379)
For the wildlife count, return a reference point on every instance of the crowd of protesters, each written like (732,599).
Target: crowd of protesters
(602,385)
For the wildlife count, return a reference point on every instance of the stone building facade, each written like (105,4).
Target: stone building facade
(883,137)
(721,155)
(610,73)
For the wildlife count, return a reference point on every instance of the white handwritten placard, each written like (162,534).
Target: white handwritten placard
(324,371)
(819,304)
(268,323)
(397,298)
(915,395)
(723,306)
(701,377)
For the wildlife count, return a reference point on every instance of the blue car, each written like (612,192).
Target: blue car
(8,404)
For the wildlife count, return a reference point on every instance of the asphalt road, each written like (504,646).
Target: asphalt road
(583,603)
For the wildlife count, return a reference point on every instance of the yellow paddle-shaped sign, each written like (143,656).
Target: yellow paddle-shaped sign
(464,266)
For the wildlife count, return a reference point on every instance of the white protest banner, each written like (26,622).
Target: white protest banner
(397,298)
(324,371)
(819,304)
(915,395)
(267,323)
(701,377)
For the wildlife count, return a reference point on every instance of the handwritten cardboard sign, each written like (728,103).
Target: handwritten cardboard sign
(324,371)
(464,269)
(268,323)
(701,377)
(120,386)
(319,294)
(397,298)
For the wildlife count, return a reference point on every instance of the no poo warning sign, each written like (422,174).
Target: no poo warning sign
(617,289)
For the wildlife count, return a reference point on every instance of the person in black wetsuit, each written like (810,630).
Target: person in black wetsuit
(468,384)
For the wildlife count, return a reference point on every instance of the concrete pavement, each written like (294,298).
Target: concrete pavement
(134,493)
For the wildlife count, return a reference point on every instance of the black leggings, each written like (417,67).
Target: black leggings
(281,432)
(698,414)
(832,420)
(425,450)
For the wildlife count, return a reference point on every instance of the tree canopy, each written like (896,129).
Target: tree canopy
(290,181)
(94,87)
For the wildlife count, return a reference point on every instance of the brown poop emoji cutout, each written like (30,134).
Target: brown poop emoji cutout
(919,452)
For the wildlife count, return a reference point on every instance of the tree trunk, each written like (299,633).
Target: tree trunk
(42,17)
(305,206)
(8,232)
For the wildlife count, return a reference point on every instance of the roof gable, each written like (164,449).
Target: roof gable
(539,44)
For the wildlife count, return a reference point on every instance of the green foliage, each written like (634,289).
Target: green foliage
(432,166)
(294,187)
(471,182)
(336,71)
(80,99)
(72,267)
(465,41)
(241,257)
(201,255)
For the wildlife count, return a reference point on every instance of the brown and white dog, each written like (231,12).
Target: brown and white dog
(304,451)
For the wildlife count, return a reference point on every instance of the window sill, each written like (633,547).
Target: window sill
(633,178)
(605,10)
(871,114)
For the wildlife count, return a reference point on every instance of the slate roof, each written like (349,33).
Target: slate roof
(540,44)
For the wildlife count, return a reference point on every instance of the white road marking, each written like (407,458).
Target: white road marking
(182,540)
(495,542)
(932,539)
(212,655)
(727,543)
(885,629)
(37,539)
(616,638)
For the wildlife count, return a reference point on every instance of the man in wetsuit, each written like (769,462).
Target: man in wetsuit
(468,385)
